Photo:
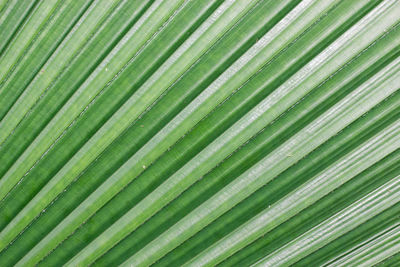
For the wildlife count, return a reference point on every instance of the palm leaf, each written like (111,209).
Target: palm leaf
(199,133)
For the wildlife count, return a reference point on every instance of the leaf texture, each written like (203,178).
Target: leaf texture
(200,133)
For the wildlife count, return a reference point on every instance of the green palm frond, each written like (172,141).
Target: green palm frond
(200,132)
